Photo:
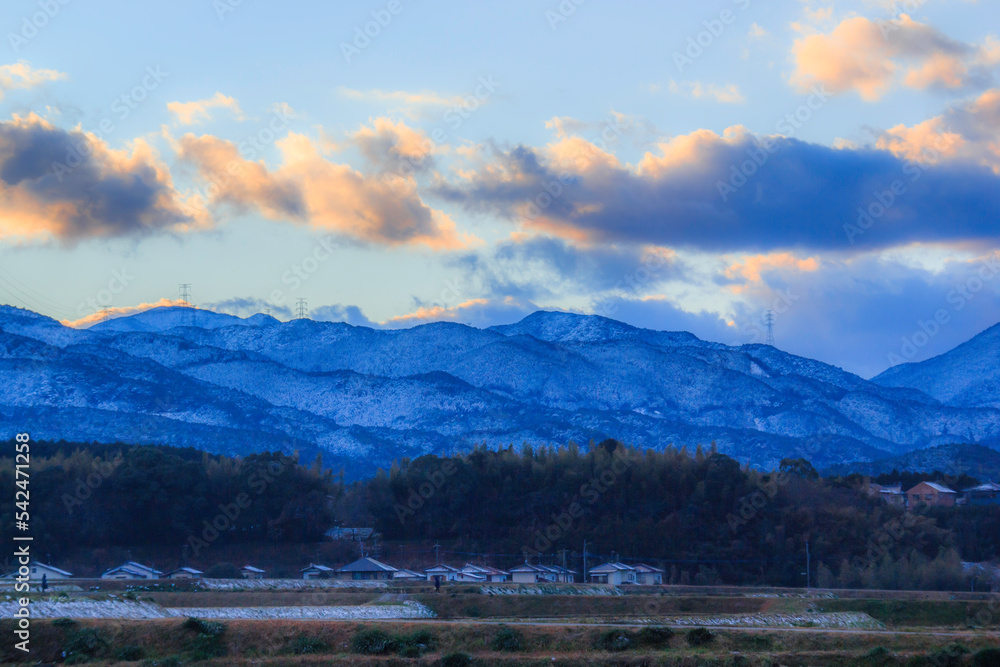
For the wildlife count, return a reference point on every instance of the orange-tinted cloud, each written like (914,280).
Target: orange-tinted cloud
(308,188)
(112,313)
(22,75)
(192,113)
(750,268)
(71,185)
(870,57)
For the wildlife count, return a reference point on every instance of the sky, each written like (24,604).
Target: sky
(676,166)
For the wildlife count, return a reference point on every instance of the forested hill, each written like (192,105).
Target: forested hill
(700,516)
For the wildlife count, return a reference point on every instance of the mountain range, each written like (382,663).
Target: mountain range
(363,397)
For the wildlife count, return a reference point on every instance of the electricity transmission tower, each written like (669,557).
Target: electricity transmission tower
(185,290)
(769,320)
(301,308)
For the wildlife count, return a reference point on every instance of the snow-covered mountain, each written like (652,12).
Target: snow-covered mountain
(969,375)
(365,396)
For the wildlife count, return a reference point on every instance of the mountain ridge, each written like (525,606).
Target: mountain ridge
(370,395)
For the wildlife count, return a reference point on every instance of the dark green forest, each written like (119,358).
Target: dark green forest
(701,516)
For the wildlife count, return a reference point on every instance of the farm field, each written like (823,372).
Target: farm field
(462,624)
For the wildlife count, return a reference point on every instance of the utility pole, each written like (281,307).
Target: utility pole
(437,553)
(563,552)
(585,577)
(808,569)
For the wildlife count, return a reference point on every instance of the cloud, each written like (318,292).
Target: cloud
(750,268)
(336,313)
(21,75)
(757,32)
(803,197)
(968,131)
(193,113)
(70,185)
(423,98)
(728,94)
(865,313)
(309,189)
(394,146)
(122,311)
(479,313)
(870,57)
(544,268)
(247,306)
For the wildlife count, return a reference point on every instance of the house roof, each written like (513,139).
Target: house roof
(406,574)
(482,569)
(251,568)
(611,567)
(527,567)
(988,486)
(189,570)
(134,568)
(934,485)
(314,566)
(642,567)
(442,568)
(544,569)
(54,569)
(367,565)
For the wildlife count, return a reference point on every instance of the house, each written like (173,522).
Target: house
(984,494)
(38,570)
(614,574)
(526,574)
(315,571)
(893,495)
(647,575)
(366,569)
(487,574)
(932,494)
(132,570)
(539,574)
(251,572)
(446,572)
(408,575)
(558,574)
(184,573)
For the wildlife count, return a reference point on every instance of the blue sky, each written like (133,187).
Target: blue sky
(476,161)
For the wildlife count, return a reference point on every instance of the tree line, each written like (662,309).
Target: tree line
(701,516)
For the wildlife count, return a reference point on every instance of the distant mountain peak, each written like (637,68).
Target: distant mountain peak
(164,318)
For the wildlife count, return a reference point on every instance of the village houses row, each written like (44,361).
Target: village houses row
(369,569)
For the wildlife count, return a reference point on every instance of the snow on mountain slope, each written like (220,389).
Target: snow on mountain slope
(370,395)
(171,317)
(969,375)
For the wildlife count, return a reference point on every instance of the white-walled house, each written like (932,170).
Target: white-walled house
(446,572)
(366,569)
(614,574)
(132,570)
(536,574)
(251,572)
(184,573)
(38,570)
(315,571)
(483,573)
(647,575)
